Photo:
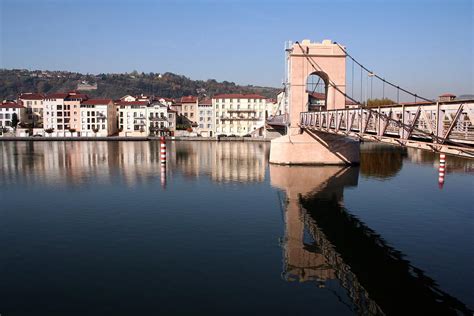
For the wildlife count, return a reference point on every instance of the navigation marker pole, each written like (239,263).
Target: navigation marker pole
(163,161)
(441,169)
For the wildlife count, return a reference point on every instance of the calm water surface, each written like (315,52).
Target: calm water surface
(96,228)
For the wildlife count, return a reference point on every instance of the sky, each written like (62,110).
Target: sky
(424,46)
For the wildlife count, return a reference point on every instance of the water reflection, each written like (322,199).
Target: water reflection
(82,163)
(383,161)
(376,277)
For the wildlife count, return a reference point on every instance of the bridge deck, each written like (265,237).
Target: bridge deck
(447,127)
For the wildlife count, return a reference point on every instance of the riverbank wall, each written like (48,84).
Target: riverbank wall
(118,138)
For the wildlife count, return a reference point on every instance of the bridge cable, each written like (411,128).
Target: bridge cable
(378,77)
(317,67)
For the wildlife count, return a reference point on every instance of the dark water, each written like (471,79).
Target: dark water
(96,228)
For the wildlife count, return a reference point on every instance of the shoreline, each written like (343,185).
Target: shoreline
(128,139)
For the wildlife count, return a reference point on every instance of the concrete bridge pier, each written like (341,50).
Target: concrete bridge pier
(304,147)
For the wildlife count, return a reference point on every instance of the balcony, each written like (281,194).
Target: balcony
(242,110)
(158,119)
(239,118)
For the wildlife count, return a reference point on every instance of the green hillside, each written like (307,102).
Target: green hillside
(15,81)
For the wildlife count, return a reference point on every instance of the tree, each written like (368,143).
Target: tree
(95,130)
(373,103)
(49,130)
(15,120)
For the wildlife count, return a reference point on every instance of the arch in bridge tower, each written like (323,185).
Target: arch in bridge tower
(307,58)
(306,146)
(317,85)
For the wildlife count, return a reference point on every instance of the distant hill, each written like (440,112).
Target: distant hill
(15,81)
(466,97)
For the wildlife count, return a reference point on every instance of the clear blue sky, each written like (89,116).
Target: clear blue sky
(426,46)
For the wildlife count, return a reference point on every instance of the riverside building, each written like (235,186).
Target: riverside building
(239,114)
(7,111)
(205,118)
(33,103)
(98,117)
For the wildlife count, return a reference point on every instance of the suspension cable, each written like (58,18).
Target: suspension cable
(378,77)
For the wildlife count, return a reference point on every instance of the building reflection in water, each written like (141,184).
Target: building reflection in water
(384,161)
(82,163)
(376,277)
(222,161)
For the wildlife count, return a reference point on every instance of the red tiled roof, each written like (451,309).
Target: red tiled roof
(31,96)
(318,96)
(132,103)
(9,105)
(238,96)
(74,95)
(96,101)
(189,99)
(205,102)
(350,102)
(447,95)
(56,96)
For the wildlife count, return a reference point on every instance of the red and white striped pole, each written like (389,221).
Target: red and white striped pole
(441,169)
(163,150)
(163,161)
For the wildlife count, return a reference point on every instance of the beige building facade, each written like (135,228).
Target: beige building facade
(238,114)
(33,103)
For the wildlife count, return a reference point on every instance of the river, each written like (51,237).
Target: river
(103,228)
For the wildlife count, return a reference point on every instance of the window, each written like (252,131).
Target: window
(192,114)
(103,126)
(201,125)
(208,125)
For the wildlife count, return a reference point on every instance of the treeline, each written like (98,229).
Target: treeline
(170,85)
(379,102)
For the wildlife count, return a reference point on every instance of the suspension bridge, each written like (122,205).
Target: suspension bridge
(328,131)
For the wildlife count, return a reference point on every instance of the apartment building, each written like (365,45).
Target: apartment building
(205,118)
(33,103)
(73,102)
(56,115)
(132,118)
(159,120)
(189,107)
(239,114)
(98,117)
(7,112)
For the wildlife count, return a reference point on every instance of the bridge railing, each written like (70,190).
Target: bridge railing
(437,123)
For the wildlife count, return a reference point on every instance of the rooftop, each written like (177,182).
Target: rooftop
(31,96)
(238,96)
(96,101)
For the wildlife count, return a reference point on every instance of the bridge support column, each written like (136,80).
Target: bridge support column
(313,148)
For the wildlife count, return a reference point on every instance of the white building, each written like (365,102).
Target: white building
(98,118)
(132,118)
(205,118)
(159,120)
(239,114)
(7,112)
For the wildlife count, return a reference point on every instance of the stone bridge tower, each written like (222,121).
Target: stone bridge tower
(328,61)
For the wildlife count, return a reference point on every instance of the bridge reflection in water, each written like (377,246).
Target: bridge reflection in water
(376,277)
